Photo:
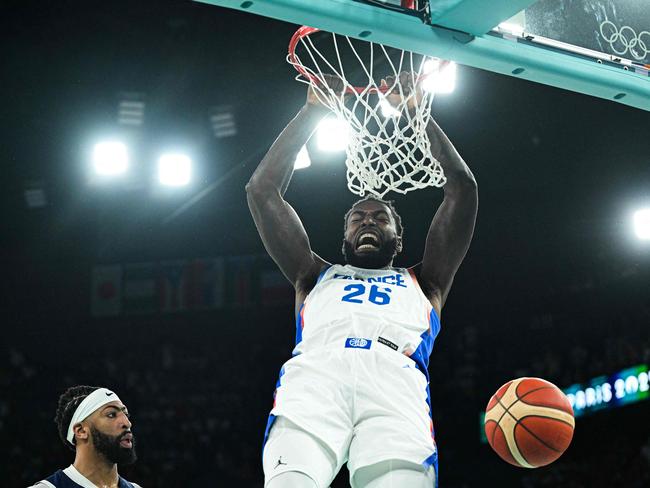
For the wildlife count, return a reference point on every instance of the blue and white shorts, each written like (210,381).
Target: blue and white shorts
(362,404)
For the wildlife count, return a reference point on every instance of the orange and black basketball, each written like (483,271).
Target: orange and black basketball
(529,422)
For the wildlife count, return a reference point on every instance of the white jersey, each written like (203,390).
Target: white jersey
(358,379)
(362,307)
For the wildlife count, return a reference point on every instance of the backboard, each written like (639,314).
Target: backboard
(596,47)
(619,28)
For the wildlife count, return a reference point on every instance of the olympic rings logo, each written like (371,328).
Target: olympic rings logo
(626,40)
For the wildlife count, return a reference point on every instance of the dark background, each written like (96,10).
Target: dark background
(555,284)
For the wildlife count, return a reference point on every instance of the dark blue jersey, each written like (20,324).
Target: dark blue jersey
(71,478)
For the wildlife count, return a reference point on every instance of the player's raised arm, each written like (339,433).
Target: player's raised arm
(278,224)
(452,227)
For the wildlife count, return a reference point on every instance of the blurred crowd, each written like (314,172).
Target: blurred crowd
(200,386)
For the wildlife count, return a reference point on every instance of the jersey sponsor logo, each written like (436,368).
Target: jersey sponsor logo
(393,279)
(358,343)
(388,343)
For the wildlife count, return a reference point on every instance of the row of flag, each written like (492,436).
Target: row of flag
(187,285)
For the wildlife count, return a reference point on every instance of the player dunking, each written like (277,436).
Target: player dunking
(95,424)
(356,389)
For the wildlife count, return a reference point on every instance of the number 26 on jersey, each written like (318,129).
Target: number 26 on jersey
(376,295)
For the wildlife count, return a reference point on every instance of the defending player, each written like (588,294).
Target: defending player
(356,389)
(94,423)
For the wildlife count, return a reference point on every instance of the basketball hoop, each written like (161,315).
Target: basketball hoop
(388,148)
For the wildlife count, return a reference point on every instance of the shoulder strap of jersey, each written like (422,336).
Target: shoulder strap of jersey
(126,484)
(322,273)
(44,484)
(60,480)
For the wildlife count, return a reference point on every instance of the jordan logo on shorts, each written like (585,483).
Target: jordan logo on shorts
(279,463)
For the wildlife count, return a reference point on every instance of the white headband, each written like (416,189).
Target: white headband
(98,398)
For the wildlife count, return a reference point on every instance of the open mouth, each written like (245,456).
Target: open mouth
(368,241)
(127,441)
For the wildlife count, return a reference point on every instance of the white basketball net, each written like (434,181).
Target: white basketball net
(388,148)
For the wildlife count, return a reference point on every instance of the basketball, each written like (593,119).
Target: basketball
(529,422)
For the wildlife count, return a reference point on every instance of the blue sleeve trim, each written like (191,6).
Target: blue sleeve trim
(299,325)
(322,273)
(434,321)
(432,461)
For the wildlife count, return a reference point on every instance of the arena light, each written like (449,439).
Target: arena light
(110,158)
(512,28)
(302,159)
(642,224)
(223,122)
(130,110)
(332,134)
(174,169)
(444,81)
(387,110)
(35,196)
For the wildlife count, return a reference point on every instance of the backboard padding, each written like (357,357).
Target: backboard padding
(497,53)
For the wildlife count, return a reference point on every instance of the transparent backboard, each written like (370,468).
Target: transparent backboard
(596,47)
(612,27)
